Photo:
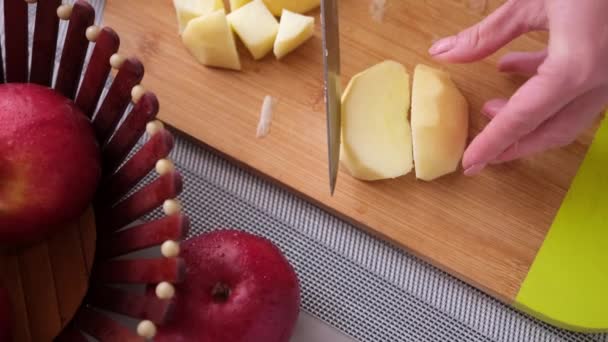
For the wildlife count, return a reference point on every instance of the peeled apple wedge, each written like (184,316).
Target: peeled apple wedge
(440,121)
(294,30)
(256,27)
(187,10)
(376,136)
(297,6)
(210,40)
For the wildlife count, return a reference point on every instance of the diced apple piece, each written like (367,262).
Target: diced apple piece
(236,4)
(210,40)
(376,136)
(440,121)
(187,10)
(256,27)
(294,30)
(297,6)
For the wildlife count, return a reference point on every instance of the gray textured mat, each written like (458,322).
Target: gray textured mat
(367,288)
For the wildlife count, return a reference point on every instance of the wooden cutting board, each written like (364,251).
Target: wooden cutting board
(485,230)
(46,282)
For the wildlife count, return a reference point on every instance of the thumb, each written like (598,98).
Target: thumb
(511,20)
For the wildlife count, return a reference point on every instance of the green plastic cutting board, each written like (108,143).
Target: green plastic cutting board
(567,284)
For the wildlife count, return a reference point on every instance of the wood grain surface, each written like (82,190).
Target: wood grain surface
(48,281)
(485,230)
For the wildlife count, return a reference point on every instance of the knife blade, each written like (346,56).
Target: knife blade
(331,63)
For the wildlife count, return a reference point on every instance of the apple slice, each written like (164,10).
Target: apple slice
(376,136)
(294,30)
(440,121)
(210,40)
(187,10)
(297,6)
(256,27)
(236,4)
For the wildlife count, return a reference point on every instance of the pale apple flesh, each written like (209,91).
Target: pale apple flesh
(294,30)
(49,162)
(236,4)
(297,6)
(187,10)
(210,40)
(239,287)
(256,27)
(376,136)
(440,121)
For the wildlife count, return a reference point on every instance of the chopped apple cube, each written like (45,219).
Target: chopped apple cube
(440,121)
(256,27)
(210,40)
(294,30)
(187,10)
(376,136)
(297,6)
(235,4)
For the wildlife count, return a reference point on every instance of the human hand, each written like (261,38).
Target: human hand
(569,84)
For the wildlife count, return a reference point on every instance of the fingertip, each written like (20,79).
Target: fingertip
(442,46)
(474,169)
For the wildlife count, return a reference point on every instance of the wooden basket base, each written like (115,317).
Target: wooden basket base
(47,282)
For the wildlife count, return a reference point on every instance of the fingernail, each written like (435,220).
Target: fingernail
(442,45)
(474,169)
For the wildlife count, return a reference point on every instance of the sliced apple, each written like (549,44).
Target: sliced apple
(376,136)
(440,121)
(256,27)
(210,40)
(294,30)
(236,4)
(297,6)
(187,10)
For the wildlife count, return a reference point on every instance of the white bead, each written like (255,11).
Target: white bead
(154,127)
(164,166)
(137,92)
(92,33)
(64,12)
(116,61)
(165,290)
(170,249)
(146,329)
(172,207)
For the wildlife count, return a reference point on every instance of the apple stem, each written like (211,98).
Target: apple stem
(220,292)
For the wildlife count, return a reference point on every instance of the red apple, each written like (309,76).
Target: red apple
(5,317)
(238,288)
(49,162)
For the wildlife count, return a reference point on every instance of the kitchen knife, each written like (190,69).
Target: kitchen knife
(331,62)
